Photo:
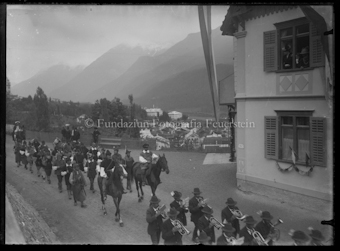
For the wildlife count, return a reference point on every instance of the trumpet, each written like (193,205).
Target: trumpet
(233,241)
(185,203)
(202,201)
(161,209)
(181,228)
(216,223)
(238,214)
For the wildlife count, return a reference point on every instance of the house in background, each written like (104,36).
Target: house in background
(282,83)
(154,112)
(175,115)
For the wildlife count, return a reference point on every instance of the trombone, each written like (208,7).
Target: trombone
(181,228)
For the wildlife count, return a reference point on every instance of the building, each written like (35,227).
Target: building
(154,112)
(283,84)
(175,115)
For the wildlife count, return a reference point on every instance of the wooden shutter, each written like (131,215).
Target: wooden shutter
(270,51)
(318,141)
(271,137)
(317,56)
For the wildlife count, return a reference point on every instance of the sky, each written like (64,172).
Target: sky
(40,36)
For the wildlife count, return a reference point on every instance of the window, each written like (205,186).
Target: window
(298,131)
(294,45)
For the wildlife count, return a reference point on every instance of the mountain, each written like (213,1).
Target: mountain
(147,72)
(106,68)
(48,79)
(188,90)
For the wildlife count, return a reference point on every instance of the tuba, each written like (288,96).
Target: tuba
(181,228)
(274,232)
(238,214)
(216,223)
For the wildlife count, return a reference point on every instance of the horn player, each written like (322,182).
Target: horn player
(264,227)
(205,225)
(228,216)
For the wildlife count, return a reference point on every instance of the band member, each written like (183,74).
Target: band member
(128,161)
(316,237)
(228,216)
(247,231)
(205,225)
(68,133)
(203,239)
(264,227)
(69,170)
(78,183)
(61,167)
(154,220)
(227,232)
(91,170)
(180,207)
(299,238)
(196,205)
(107,164)
(170,233)
(145,158)
(95,135)
(47,165)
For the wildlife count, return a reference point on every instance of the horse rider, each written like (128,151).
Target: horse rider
(196,205)
(106,165)
(180,207)
(299,238)
(154,220)
(229,217)
(247,231)
(61,167)
(116,156)
(69,170)
(145,158)
(170,233)
(94,150)
(204,224)
(16,125)
(316,237)
(264,227)
(128,161)
(227,232)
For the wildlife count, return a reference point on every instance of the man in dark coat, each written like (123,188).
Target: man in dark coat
(79,158)
(78,183)
(299,238)
(61,167)
(154,220)
(128,162)
(94,151)
(95,135)
(69,170)
(116,156)
(75,134)
(195,208)
(227,232)
(205,225)
(170,233)
(63,134)
(16,125)
(247,230)
(68,133)
(91,170)
(316,237)
(264,227)
(228,216)
(106,165)
(180,207)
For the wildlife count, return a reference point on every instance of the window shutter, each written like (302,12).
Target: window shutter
(317,56)
(270,51)
(271,137)
(318,141)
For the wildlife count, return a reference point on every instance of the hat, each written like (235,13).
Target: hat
(231,202)
(207,210)
(316,234)
(203,237)
(249,220)
(299,236)
(146,145)
(115,148)
(108,153)
(172,212)
(266,215)
(127,151)
(17,122)
(288,47)
(304,50)
(176,194)
(154,199)
(228,228)
(196,191)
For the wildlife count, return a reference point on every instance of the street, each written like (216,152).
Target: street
(76,225)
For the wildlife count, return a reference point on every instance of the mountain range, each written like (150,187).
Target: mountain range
(173,78)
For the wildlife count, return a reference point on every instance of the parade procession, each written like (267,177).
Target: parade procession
(186,125)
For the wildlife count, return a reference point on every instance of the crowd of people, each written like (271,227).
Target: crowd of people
(71,160)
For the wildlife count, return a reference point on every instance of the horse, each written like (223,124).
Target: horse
(160,166)
(114,189)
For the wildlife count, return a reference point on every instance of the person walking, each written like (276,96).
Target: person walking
(228,233)
(128,162)
(196,205)
(170,233)
(228,216)
(154,220)
(47,166)
(247,231)
(78,183)
(69,170)
(264,227)
(204,224)
(299,238)
(95,135)
(61,167)
(180,207)
(91,165)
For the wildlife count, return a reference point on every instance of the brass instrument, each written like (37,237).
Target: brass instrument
(216,223)
(274,232)
(202,201)
(238,214)
(185,203)
(233,241)
(161,209)
(258,238)
(181,228)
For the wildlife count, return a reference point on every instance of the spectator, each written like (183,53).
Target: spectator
(95,135)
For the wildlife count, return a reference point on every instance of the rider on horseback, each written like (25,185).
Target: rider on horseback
(145,158)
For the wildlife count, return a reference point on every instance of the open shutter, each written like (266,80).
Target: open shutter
(317,57)
(271,137)
(318,141)
(270,51)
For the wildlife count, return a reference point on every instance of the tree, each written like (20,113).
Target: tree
(132,107)
(96,111)
(164,117)
(42,110)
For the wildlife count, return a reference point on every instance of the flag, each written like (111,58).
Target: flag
(307,160)
(293,155)
(204,15)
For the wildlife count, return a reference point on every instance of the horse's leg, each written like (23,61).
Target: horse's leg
(102,197)
(118,211)
(141,189)
(136,181)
